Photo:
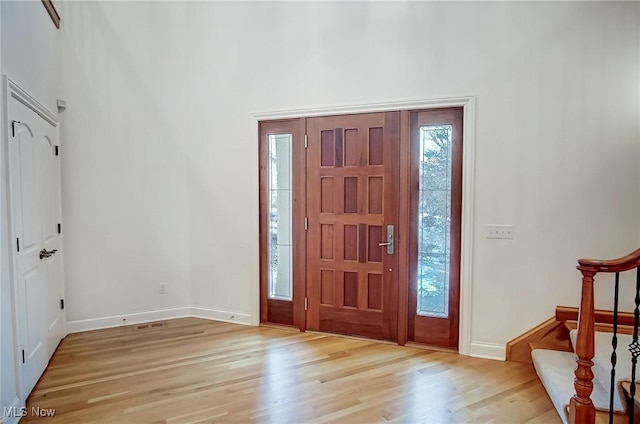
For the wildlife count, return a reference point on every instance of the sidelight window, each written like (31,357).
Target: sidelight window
(434,220)
(280,215)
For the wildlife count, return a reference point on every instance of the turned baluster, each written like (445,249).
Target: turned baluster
(581,409)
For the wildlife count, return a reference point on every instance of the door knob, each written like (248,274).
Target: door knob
(44,253)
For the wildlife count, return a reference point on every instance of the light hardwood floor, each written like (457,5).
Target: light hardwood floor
(197,371)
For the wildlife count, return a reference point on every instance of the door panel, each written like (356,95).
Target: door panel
(282,234)
(435,226)
(352,165)
(35,207)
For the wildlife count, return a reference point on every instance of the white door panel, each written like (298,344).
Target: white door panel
(25,174)
(35,214)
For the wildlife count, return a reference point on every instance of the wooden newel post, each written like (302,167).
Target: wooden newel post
(581,409)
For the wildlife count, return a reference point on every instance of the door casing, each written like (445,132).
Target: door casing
(465,346)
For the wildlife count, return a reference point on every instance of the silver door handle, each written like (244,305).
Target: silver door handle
(390,240)
(44,253)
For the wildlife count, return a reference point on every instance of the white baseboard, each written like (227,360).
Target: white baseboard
(488,351)
(221,315)
(126,319)
(13,418)
(161,314)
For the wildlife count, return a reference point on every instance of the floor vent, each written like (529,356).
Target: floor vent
(150,325)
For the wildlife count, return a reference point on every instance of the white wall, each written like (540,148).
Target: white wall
(125,162)
(160,160)
(30,55)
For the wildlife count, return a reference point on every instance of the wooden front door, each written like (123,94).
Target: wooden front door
(352,198)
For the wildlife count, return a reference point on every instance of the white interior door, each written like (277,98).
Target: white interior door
(35,210)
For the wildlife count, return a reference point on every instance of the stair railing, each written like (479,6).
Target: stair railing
(581,408)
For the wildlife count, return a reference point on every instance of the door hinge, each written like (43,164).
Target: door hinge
(306,141)
(23,356)
(13,128)
(18,244)
(306,304)
(57,151)
(306,223)
(61,303)
(59,228)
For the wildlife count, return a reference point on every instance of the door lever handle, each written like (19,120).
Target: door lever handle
(389,244)
(44,253)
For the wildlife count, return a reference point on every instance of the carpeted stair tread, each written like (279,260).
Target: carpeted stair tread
(555,370)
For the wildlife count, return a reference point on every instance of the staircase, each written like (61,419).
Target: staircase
(596,382)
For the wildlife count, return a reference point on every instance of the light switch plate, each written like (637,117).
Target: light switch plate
(500,231)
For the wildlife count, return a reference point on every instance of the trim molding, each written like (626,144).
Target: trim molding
(364,108)
(158,315)
(468,187)
(25,98)
(468,223)
(126,319)
(488,351)
(221,315)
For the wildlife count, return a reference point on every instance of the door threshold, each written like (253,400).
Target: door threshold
(388,342)
(280,326)
(347,336)
(431,347)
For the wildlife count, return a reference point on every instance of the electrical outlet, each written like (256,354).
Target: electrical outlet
(162,288)
(500,231)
